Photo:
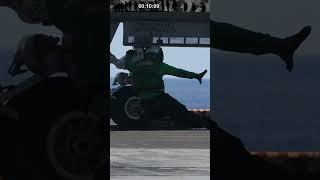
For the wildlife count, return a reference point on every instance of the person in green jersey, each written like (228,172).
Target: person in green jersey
(147,69)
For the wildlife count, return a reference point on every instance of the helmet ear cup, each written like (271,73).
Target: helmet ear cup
(155,53)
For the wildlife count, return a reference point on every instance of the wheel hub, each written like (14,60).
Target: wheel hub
(74,147)
(133,108)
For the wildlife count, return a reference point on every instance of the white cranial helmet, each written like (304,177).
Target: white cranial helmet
(139,52)
(137,55)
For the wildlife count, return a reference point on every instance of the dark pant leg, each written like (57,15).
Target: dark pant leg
(194,120)
(232,38)
(230,159)
(180,113)
(152,108)
(166,105)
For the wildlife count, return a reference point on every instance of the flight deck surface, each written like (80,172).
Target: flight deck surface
(161,154)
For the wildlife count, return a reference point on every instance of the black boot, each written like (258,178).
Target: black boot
(291,44)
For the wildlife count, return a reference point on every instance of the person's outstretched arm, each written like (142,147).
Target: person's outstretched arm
(119,63)
(170,70)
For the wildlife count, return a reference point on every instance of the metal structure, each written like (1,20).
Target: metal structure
(174,29)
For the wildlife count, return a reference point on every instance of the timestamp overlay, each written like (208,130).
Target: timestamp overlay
(148,6)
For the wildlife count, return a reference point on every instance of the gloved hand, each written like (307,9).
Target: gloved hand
(113,59)
(200,76)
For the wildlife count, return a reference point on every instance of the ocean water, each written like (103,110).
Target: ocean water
(189,92)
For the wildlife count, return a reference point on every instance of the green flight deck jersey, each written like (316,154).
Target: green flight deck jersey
(147,75)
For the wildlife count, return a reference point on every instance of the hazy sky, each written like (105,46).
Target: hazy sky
(281,18)
(12,29)
(191,59)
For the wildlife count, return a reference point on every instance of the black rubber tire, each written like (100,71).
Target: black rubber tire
(40,108)
(117,109)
